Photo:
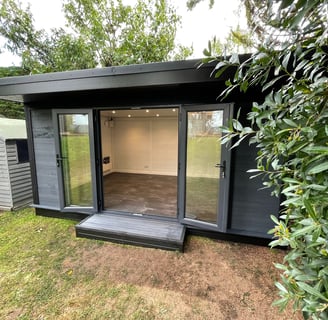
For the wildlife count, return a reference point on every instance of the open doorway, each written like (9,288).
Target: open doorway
(140,161)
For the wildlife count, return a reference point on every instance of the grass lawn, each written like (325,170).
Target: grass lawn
(201,199)
(48,273)
(202,181)
(77,170)
(36,284)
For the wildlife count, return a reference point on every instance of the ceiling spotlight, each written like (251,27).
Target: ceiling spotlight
(173,110)
(113,111)
(147,110)
(129,115)
(157,115)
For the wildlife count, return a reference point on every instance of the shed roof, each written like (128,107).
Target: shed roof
(184,80)
(31,88)
(12,129)
(163,74)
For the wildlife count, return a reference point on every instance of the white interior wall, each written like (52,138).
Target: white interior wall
(164,146)
(106,138)
(141,145)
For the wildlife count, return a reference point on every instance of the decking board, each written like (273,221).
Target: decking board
(136,230)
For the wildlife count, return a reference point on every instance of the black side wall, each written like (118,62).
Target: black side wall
(250,207)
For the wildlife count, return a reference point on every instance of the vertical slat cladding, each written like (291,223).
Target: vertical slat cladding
(20,177)
(45,157)
(5,191)
(251,207)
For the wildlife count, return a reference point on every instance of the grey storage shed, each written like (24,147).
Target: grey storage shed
(15,173)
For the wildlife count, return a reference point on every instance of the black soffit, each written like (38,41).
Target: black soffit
(164,74)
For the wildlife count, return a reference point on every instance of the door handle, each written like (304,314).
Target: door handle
(59,160)
(222,167)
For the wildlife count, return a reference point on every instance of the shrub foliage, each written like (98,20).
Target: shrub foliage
(290,129)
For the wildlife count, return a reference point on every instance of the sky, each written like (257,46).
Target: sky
(197,27)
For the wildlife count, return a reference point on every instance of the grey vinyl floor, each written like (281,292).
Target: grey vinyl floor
(145,194)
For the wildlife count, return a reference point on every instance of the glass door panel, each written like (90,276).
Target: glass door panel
(75,154)
(202,173)
(74,161)
(204,167)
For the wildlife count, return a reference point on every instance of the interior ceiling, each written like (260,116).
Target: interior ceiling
(141,113)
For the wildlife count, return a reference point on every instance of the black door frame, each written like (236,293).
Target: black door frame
(224,183)
(182,148)
(92,146)
(98,153)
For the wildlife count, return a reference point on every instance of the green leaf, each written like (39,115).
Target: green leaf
(305,277)
(281,266)
(285,4)
(237,125)
(272,82)
(290,180)
(303,231)
(236,144)
(274,219)
(281,303)
(310,210)
(316,150)
(311,290)
(296,201)
(206,53)
(317,187)
(234,59)
(290,122)
(286,60)
(319,168)
(281,287)
(220,71)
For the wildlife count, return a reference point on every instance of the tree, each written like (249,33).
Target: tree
(191,4)
(290,130)
(105,33)
(10,109)
(237,40)
(148,37)
(41,52)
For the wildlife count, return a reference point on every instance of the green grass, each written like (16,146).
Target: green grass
(202,198)
(203,153)
(47,273)
(77,169)
(202,185)
(36,284)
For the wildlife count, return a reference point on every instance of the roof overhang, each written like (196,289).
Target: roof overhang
(34,88)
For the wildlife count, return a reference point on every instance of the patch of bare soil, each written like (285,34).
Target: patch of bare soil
(211,280)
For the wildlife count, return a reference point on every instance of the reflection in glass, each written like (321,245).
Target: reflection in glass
(203,153)
(75,154)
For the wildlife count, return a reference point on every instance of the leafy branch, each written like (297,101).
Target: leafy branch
(290,129)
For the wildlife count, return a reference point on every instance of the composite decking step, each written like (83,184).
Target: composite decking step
(131,229)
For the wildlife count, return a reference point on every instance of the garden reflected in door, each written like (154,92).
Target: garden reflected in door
(75,159)
(203,155)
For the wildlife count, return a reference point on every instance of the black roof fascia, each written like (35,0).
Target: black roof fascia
(133,76)
(162,74)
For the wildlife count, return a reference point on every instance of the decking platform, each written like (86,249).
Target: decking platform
(136,230)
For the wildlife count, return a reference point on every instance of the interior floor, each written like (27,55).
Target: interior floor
(146,194)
